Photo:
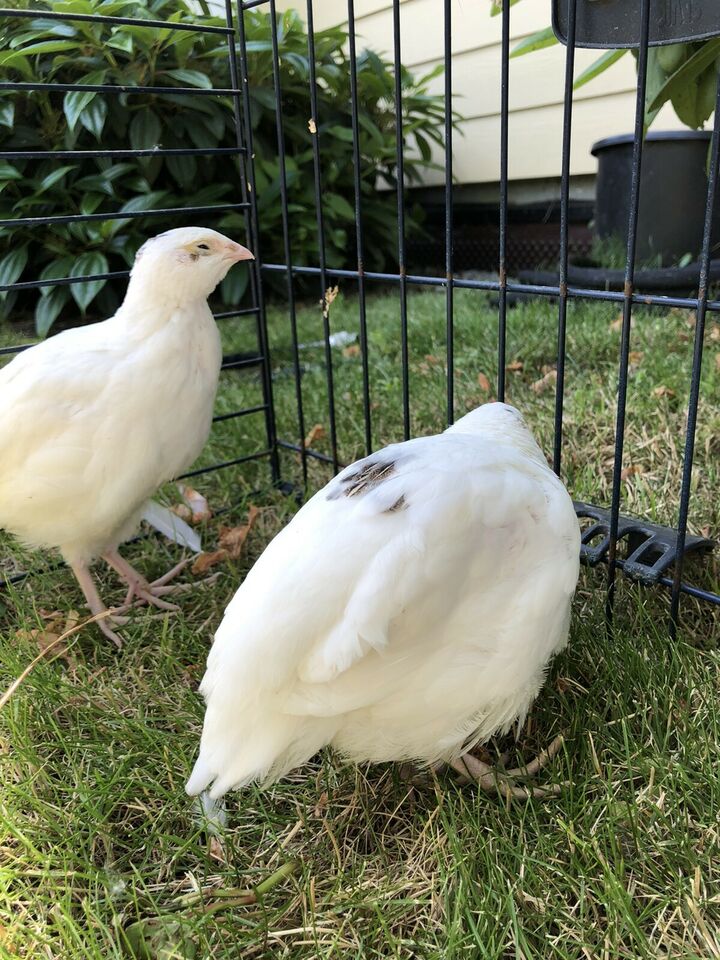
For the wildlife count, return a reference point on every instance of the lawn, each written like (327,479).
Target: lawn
(95,745)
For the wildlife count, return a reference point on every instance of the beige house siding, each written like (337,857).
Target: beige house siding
(602,108)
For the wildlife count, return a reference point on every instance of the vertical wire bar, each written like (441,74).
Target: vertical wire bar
(502,267)
(248,192)
(286,236)
(563,265)
(358,226)
(696,368)
(315,137)
(400,174)
(449,289)
(627,307)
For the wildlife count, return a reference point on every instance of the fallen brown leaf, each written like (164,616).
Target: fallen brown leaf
(617,323)
(217,850)
(230,544)
(233,538)
(715,332)
(207,560)
(330,295)
(663,391)
(321,804)
(4,941)
(183,511)
(483,383)
(544,382)
(197,503)
(352,351)
(311,126)
(635,356)
(631,471)
(317,433)
(433,361)
(515,367)
(717,360)
(57,624)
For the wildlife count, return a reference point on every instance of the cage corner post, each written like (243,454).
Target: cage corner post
(238,62)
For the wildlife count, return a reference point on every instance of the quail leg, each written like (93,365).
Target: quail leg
(95,603)
(138,586)
(494,780)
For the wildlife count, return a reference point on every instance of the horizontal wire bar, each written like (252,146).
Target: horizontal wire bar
(22,85)
(226,463)
(128,215)
(261,407)
(99,18)
(239,364)
(687,588)
(118,154)
(244,312)
(315,454)
(493,286)
(63,281)
(249,4)
(7,351)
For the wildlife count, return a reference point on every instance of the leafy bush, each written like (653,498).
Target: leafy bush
(50,51)
(683,74)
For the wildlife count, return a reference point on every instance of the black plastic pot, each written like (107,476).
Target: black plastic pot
(673,193)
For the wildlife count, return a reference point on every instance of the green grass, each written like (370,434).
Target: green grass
(96,832)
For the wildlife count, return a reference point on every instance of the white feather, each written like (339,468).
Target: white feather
(401,620)
(171,525)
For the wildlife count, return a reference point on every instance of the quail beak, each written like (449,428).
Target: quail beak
(235,252)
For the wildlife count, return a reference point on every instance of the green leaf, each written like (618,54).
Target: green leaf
(536,41)
(190,78)
(341,133)
(496,8)
(13,264)
(145,130)
(8,171)
(74,104)
(339,206)
(18,62)
(88,264)
(57,28)
(7,113)
(55,270)
(48,46)
(119,40)
(598,66)
(146,201)
(48,308)
(678,81)
(183,169)
(52,178)
(93,117)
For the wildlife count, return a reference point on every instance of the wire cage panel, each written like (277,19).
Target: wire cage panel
(291,453)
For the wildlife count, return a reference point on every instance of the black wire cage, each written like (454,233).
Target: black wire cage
(627,546)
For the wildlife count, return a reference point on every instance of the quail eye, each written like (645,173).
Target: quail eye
(203,246)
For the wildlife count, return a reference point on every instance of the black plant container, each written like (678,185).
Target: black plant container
(673,193)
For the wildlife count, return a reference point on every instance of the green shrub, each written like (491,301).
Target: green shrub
(46,50)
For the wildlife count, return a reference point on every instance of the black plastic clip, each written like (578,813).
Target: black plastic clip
(651,549)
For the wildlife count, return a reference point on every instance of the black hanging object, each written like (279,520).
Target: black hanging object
(651,549)
(614,24)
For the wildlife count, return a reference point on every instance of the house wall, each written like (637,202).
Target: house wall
(603,107)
